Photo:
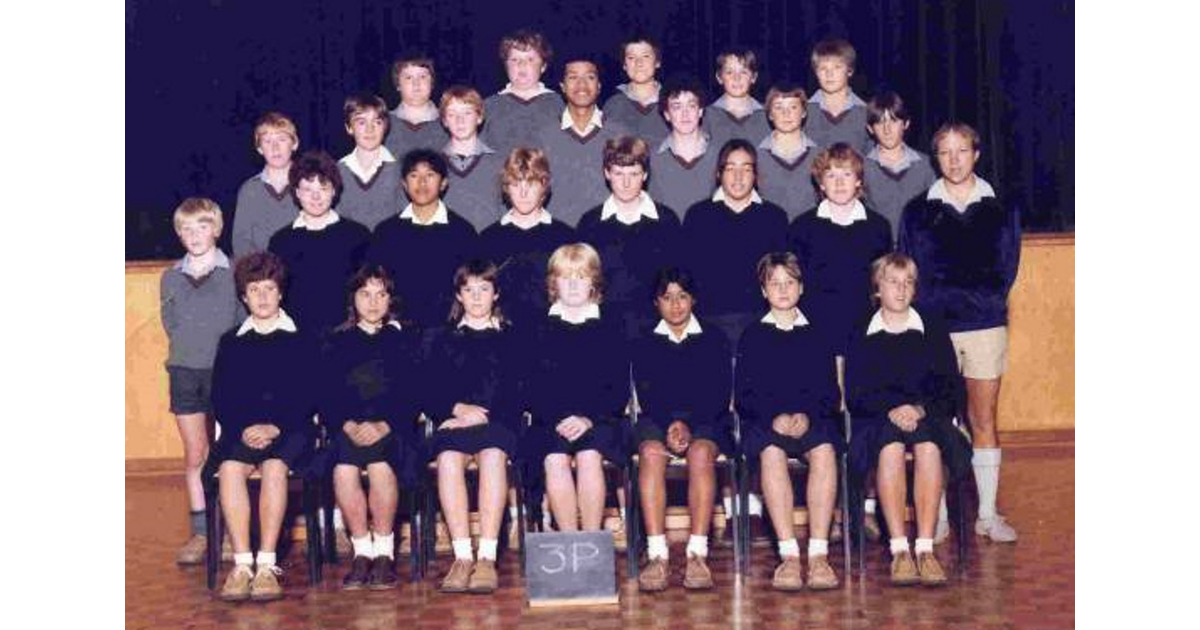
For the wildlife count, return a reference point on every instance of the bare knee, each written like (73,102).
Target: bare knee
(701,454)
(822,459)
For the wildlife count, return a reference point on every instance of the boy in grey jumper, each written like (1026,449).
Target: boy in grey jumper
(518,112)
(415,123)
(198,303)
(473,167)
(736,114)
(635,104)
(684,164)
(264,202)
(835,112)
(372,190)
(786,155)
(894,172)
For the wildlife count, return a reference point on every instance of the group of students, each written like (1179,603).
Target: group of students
(558,276)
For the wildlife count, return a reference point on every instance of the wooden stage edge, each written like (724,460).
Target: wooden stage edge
(1010,439)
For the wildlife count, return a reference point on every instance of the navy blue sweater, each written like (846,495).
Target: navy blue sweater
(421,260)
(967,261)
(785,371)
(886,370)
(723,248)
(522,256)
(478,367)
(687,381)
(632,255)
(580,369)
(318,264)
(265,379)
(371,377)
(836,264)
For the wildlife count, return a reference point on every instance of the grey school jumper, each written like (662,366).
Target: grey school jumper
(195,313)
(577,181)
(404,136)
(260,213)
(723,126)
(474,186)
(512,122)
(370,203)
(678,184)
(889,191)
(643,121)
(849,126)
(788,183)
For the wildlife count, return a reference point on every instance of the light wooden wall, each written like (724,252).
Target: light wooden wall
(1038,392)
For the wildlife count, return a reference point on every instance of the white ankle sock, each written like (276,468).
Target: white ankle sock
(363,546)
(986,463)
(818,547)
(898,545)
(869,506)
(487,549)
(789,548)
(384,546)
(697,546)
(243,559)
(754,505)
(512,513)
(264,559)
(943,513)
(656,547)
(924,545)
(462,549)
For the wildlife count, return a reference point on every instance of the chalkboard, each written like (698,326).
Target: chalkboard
(570,569)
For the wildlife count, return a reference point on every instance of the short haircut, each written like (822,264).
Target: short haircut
(744,55)
(525,39)
(485,270)
(433,159)
(274,121)
(419,60)
(575,256)
(201,210)
(525,163)
(673,275)
(834,47)
(627,151)
(735,144)
(316,164)
(679,85)
(768,263)
(958,127)
(839,155)
(363,101)
(886,104)
(463,94)
(365,274)
(639,38)
(257,267)
(785,90)
(891,260)
(581,57)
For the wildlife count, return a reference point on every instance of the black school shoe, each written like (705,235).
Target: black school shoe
(383,574)
(359,575)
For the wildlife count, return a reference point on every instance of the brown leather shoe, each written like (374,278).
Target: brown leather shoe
(653,576)
(483,577)
(265,585)
(697,576)
(383,574)
(360,573)
(820,575)
(930,569)
(192,551)
(459,577)
(871,528)
(758,531)
(237,584)
(787,575)
(904,570)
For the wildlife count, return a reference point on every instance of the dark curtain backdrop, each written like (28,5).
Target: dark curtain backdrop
(198,74)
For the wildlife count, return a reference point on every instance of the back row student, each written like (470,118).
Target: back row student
(785,156)
(525,105)
(416,122)
(264,202)
(635,104)
(683,164)
(473,168)
(736,113)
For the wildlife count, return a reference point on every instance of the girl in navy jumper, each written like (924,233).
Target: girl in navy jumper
(787,397)
(262,398)
(902,391)
(682,371)
(577,390)
(369,409)
(475,404)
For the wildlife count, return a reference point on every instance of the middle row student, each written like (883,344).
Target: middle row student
(370,174)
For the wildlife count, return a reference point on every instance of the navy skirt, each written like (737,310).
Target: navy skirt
(472,440)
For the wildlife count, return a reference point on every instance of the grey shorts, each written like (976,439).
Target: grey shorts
(191,390)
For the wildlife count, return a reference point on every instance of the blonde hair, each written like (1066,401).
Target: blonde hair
(275,121)
(571,257)
(525,163)
(891,260)
(200,209)
(785,91)
(462,94)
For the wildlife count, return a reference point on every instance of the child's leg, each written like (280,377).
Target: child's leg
(272,503)
(821,490)
(589,475)
(982,398)
(652,486)
(384,497)
(493,488)
(452,492)
(235,503)
(560,491)
(777,493)
(702,485)
(927,490)
(194,433)
(347,489)
(893,489)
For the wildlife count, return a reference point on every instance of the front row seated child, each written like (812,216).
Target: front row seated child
(198,304)
(787,397)
(902,390)
(578,387)
(263,399)
(682,373)
(475,404)
(369,405)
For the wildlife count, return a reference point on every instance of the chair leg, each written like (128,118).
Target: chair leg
(518,484)
(962,532)
(734,518)
(633,530)
(743,510)
(857,492)
(215,536)
(329,533)
(413,503)
(312,532)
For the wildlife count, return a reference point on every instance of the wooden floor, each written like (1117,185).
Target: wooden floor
(1027,585)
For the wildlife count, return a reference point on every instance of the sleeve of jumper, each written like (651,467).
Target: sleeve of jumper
(798,242)
(747,399)
(906,240)
(330,408)
(1010,250)
(439,397)
(224,390)
(943,385)
(712,398)
(409,385)
(861,398)
(614,389)
(166,304)
(302,400)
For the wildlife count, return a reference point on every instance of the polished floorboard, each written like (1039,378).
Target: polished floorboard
(1027,585)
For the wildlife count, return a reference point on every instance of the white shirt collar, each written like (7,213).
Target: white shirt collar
(646,208)
(595,122)
(219,260)
(282,322)
(853,100)
(626,88)
(545,219)
(857,213)
(591,311)
(800,321)
(326,220)
(365,174)
(692,328)
(371,330)
(914,322)
(541,89)
(938,191)
(492,323)
(441,216)
(723,103)
(427,114)
(719,195)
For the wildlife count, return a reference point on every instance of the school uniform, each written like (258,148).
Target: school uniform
(577,181)
(723,125)
(522,256)
(371,196)
(678,183)
(643,120)
(889,188)
(261,211)
(473,185)
(788,181)
(515,122)
(426,132)
(319,261)
(848,125)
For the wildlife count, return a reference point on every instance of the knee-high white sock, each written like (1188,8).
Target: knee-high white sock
(986,463)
